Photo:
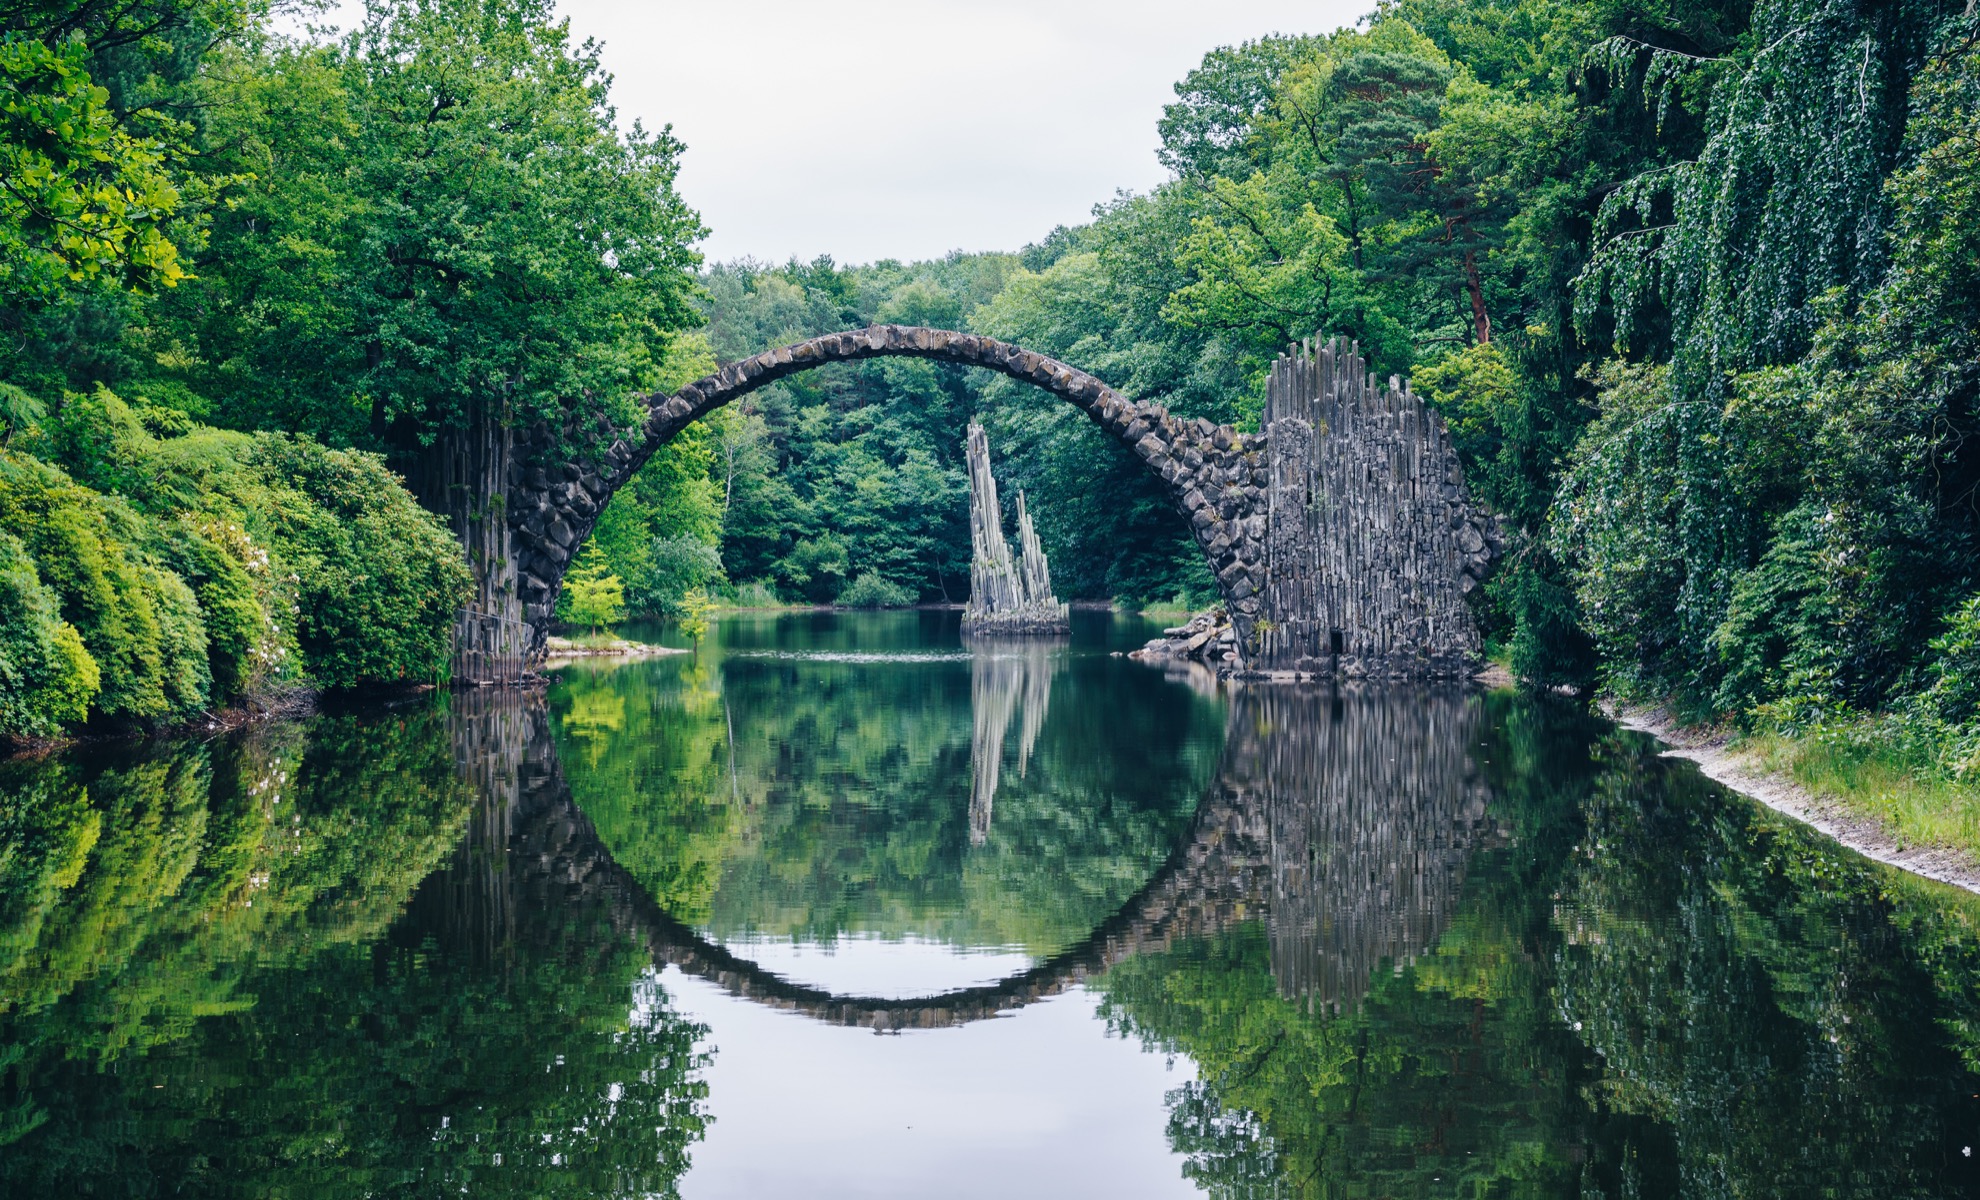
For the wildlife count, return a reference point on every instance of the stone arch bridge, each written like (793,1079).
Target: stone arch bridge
(1340,535)
(1344,820)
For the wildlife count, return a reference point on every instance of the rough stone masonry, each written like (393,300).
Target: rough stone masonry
(1371,543)
(1380,462)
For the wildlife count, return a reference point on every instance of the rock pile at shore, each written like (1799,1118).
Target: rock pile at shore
(1206,638)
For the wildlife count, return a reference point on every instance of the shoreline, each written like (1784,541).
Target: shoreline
(292,704)
(1734,769)
(566,650)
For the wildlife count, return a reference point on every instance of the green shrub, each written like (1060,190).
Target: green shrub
(378,579)
(244,642)
(97,439)
(593,596)
(286,543)
(874,590)
(677,566)
(757,593)
(225,561)
(47,677)
(138,621)
(1953,694)
(196,489)
(817,566)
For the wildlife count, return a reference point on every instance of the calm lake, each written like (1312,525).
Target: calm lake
(842,908)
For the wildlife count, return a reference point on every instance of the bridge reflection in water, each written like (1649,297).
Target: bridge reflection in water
(1342,818)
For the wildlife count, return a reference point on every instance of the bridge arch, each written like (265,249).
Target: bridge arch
(1215,476)
(1341,537)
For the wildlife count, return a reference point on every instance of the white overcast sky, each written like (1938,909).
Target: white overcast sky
(871,130)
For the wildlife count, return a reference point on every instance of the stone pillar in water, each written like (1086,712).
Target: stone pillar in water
(1005,596)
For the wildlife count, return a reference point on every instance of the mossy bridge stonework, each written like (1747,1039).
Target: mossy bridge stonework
(1340,535)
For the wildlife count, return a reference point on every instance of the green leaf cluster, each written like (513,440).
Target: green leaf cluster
(1778,510)
(82,197)
(160,577)
(166,916)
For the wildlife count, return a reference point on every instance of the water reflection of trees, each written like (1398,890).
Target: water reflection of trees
(1635,986)
(1426,945)
(809,799)
(1346,819)
(220,974)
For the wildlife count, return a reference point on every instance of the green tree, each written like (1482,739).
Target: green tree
(694,616)
(592,594)
(82,199)
(443,236)
(1799,461)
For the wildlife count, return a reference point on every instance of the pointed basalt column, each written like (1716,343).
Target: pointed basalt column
(1004,596)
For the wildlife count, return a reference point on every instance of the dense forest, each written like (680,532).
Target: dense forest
(1697,284)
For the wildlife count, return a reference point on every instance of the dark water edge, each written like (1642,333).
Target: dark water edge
(1396,942)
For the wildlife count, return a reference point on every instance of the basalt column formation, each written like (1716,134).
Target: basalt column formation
(1371,544)
(1005,596)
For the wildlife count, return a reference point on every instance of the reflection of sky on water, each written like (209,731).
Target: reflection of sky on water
(1041,1102)
(898,968)
(853,656)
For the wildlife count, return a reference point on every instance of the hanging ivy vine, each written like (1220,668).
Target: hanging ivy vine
(1782,222)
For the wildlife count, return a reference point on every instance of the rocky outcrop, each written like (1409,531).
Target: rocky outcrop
(1207,638)
(1006,596)
(1371,543)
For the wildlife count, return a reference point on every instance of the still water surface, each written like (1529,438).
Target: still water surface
(838,908)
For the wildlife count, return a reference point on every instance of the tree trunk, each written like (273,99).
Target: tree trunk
(1481,321)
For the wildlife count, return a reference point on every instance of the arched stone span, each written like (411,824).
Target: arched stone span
(1342,537)
(1215,476)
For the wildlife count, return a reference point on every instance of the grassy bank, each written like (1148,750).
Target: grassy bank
(1878,769)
